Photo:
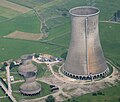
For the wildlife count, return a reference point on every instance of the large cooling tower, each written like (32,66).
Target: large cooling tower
(85,59)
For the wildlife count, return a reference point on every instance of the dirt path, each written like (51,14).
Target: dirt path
(110,22)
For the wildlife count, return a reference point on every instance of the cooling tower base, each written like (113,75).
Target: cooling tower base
(85,77)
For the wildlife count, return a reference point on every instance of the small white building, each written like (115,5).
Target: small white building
(12,78)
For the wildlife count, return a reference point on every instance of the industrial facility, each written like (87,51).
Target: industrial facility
(85,59)
(59,50)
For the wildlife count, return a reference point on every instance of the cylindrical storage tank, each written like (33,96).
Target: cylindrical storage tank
(85,56)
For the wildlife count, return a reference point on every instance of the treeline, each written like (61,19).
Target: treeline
(116,16)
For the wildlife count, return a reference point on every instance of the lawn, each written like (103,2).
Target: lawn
(2,92)
(42,70)
(56,67)
(5,100)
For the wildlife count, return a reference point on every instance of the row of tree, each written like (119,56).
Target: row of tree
(50,99)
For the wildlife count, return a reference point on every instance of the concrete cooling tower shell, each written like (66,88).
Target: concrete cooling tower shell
(85,56)
(30,77)
(26,58)
(28,67)
(30,87)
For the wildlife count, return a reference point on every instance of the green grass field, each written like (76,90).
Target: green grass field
(5,100)
(12,49)
(56,67)
(26,22)
(2,93)
(42,70)
(110,94)
(8,13)
(2,18)
(109,34)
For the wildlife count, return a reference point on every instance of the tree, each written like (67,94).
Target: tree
(118,14)
(12,65)
(36,55)
(50,99)
(115,16)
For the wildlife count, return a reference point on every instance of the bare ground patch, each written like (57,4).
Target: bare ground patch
(25,35)
(14,6)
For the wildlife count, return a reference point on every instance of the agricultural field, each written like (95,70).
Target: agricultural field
(56,19)
(30,3)
(27,22)
(14,6)
(8,13)
(25,35)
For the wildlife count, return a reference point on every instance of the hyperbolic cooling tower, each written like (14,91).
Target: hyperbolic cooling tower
(30,87)
(85,59)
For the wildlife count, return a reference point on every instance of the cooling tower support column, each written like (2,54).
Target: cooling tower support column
(85,59)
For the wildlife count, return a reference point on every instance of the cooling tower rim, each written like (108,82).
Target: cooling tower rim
(84,7)
(30,74)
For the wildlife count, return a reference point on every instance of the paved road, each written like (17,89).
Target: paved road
(7,92)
